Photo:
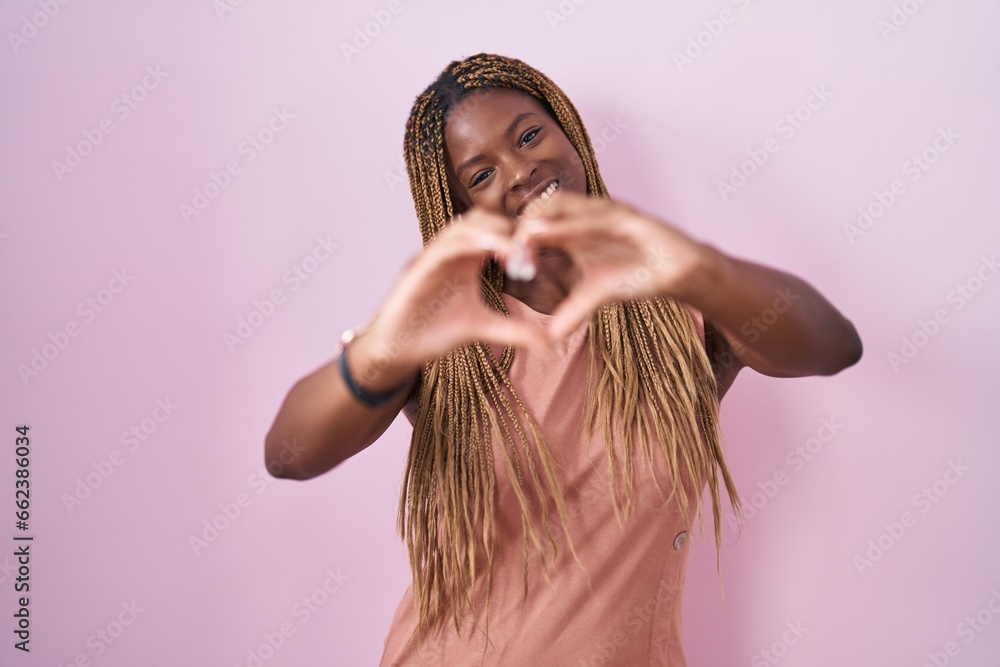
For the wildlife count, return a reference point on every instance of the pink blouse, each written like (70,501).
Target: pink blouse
(630,615)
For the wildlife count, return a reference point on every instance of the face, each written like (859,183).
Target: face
(502,149)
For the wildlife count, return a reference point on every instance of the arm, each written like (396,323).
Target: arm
(772,321)
(321,424)
(435,307)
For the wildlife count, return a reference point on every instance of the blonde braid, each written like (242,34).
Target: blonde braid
(653,375)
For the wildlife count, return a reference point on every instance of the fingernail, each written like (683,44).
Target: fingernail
(487,242)
(533,226)
(519,266)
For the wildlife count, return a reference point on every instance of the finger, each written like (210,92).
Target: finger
(477,218)
(522,334)
(545,231)
(520,263)
(471,244)
(576,308)
(549,220)
(564,203)
(500,246)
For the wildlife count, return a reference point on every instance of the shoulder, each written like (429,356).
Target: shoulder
(699,320)
(412,405)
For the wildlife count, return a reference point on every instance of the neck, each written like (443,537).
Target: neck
(553,280)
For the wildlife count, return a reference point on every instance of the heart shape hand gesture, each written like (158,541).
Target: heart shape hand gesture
(617,253)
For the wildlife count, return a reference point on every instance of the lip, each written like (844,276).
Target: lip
(535,193)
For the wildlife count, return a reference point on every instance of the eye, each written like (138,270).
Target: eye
(530,134)
(527,138)
(479,178)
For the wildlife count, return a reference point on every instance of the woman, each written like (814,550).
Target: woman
(544,334)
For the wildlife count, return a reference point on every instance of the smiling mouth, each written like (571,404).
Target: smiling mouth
(527,209)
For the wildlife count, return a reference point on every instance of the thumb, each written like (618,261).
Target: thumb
(507,332)
(574,310)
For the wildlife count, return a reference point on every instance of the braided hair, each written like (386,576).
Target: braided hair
(653,376)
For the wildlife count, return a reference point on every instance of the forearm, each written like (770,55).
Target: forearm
(321,423)
(777,323)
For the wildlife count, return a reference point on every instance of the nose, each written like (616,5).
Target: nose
(521,171)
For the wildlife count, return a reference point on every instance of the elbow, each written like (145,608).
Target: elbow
(283,457)
(849,352)
(856,350)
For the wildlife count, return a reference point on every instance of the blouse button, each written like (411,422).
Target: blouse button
(679,540)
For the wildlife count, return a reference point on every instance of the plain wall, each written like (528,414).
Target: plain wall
(332,174)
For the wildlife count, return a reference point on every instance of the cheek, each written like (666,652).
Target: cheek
(574,175)
(576,178)
(490,200)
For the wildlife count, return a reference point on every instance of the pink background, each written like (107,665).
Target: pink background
(333,171)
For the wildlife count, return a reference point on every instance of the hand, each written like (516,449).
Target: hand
(436,305)
(618,252)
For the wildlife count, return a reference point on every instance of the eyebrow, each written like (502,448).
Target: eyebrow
(510,130)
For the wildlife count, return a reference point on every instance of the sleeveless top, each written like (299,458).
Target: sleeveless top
(630,613)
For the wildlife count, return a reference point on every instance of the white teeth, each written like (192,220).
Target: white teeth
(529,210)
(549,190)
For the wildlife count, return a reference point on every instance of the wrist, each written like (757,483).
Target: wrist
(708,270)
(376,366)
